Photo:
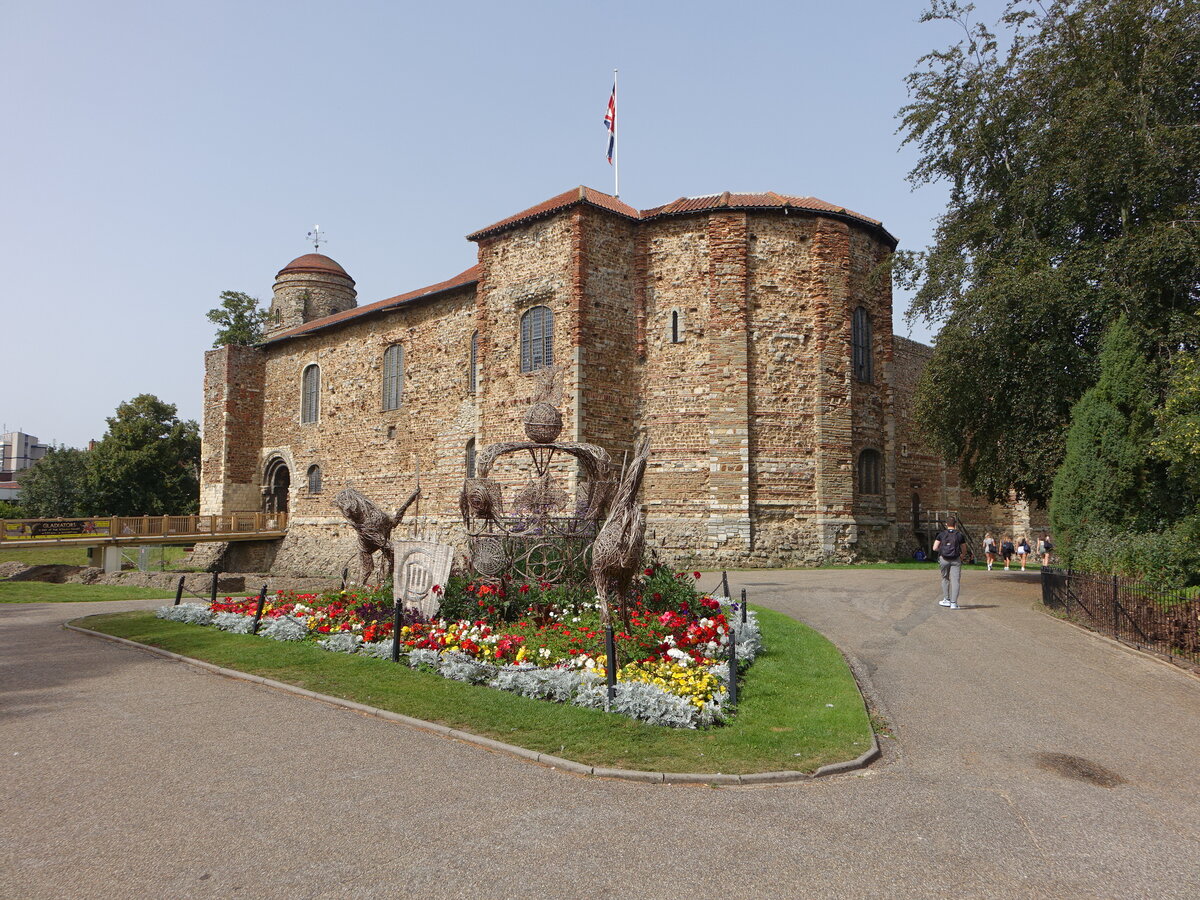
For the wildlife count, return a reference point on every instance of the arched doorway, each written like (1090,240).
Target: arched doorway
(276,483)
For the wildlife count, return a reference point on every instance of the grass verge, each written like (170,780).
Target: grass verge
(46,592)
(800,707)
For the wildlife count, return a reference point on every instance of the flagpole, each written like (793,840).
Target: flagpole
(616,145)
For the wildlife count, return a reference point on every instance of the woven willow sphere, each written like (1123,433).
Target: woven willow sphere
(543,423)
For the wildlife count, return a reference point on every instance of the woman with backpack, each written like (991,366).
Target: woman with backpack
(1023,550)
(1045,548)
(1006,550)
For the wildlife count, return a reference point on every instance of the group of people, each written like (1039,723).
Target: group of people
(1006,550)
(948,548)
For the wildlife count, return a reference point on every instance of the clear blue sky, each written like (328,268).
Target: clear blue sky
(156,153)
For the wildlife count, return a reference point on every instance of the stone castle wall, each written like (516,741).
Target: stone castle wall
(754,414)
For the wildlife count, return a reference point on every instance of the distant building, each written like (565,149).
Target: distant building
(18,451)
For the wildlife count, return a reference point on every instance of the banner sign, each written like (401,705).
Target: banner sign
(17,530)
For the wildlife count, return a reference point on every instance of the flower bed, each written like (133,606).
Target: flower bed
(537,640)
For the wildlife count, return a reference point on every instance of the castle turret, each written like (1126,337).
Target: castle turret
(310,287)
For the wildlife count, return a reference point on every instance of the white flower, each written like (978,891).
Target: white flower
(591,663)
(720,629)
(712,645)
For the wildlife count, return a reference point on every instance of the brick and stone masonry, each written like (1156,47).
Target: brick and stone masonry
(718,326)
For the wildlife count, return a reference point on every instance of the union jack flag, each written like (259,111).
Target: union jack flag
(610,122)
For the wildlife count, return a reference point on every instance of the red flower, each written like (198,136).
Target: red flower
(524,589)
(695,574)
(649,572)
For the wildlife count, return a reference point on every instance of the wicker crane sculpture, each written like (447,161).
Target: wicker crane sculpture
(374,528)
(617,550)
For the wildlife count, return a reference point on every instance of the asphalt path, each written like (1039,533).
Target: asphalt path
(1029,759)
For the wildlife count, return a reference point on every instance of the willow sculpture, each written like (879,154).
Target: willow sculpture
(617,550)
(374,528)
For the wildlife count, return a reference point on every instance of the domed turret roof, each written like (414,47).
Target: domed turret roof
(313,262)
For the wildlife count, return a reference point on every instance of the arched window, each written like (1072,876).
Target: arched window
(314,479)
(310,395)
(862,345)
(473,371)
(870,472)
(393,376)
(676,327)
(470,458)
(537,339)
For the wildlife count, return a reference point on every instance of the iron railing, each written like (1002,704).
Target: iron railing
(1165,622)
(108,529)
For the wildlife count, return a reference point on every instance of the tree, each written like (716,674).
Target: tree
(1073,163)
(1178,441)
(147,463)
(1110,479)
(240,319)
(56,485)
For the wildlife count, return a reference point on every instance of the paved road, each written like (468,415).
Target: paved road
(124,775)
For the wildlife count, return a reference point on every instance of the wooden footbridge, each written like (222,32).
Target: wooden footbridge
(116,532)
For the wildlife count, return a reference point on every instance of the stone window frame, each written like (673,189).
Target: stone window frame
(473,365)
(675,328)
(469,457)
(313,479)
(393,376)
(545,338)
(860,340)
(870,472)
(310,394)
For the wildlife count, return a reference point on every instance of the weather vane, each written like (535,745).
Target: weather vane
(317,237)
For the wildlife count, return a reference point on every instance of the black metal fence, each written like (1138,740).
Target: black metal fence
(1166,622)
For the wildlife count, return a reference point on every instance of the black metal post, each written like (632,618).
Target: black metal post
(610,652)
(397,618)
(724,583)
(743,606)
(1116,608)
(213,595)
(179,590)
(262,599)
(733,668)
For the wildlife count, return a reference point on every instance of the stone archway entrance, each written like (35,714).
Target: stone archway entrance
(276,482)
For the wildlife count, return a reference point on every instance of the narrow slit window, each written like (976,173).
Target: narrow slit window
(537,339)
(870,472)
(473,370)
(310,395)
(393,377)
(861,340)
(676,327)
(470,458)
(314,479)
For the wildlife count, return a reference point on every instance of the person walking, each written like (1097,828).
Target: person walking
(989,549)
(1045,547)
(1023,550)
(948,547)
(1006,550)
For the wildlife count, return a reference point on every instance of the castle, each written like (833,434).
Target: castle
(748,336)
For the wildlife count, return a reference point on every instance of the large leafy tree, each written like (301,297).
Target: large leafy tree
(147,463)
(1110,478)
(56,485)
(239,319)
(1070,147)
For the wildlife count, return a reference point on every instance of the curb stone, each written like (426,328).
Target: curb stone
(545,759)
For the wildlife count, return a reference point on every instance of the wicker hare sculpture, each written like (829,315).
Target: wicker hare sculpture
(374,528)
(617,550)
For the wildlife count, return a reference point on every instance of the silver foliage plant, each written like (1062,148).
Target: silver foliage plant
(234,623)
(343,642)
(188,613)
(284,628)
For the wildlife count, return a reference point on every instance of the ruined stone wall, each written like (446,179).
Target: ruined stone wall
(232,432)
(355,441)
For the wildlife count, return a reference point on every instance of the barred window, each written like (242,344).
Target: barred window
(473,371)
(314,479)
(537,339)
(861,340)
(470,458)
(393,376)
(310,395)
(870,472)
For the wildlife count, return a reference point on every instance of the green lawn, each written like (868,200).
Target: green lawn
(800,707)
(45,592)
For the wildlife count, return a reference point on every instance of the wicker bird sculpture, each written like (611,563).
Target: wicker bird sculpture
(617,550)
(374,529)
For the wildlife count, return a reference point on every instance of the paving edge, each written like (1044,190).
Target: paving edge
(544,759)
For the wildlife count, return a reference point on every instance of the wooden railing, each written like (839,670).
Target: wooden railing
(118,528)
